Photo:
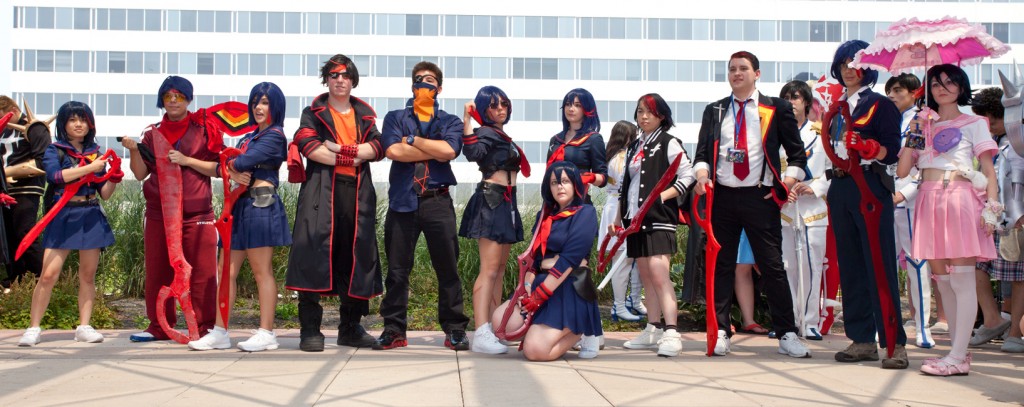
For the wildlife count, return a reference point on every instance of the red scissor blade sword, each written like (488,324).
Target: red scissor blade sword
(224,224)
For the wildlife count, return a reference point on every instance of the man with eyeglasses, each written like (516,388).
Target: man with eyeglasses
(421,140)
(334,249)
(192,147)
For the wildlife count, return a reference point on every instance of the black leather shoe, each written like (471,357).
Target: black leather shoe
(312,343)
(456,340)
(389,340)
(355,336)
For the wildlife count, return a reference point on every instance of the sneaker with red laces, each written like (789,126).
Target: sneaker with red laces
(389,340)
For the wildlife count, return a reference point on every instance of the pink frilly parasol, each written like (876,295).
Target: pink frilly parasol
(921,44)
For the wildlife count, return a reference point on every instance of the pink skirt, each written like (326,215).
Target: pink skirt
(948,225)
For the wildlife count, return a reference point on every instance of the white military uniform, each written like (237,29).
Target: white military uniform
(918,275)
(807,230)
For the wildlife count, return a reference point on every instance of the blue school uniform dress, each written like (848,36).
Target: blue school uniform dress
(262,154)
(571,238)
(493,210)
(80,225)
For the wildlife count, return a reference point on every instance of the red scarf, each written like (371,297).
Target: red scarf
(559,154)
(174,131)
(545,228)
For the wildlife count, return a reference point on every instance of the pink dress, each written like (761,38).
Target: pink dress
(947,222)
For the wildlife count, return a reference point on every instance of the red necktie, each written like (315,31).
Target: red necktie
(741,169)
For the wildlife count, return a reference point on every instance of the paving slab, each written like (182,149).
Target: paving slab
(60,371)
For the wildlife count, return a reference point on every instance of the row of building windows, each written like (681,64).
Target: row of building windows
(530,110)
(384,66)
(461,25)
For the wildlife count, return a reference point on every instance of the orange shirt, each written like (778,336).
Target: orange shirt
(345,128)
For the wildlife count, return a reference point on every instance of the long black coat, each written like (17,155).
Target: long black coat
(309,265)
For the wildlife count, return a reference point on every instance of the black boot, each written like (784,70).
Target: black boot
(310,316)
(350,332)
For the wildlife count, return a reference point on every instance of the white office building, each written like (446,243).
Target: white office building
(113,54)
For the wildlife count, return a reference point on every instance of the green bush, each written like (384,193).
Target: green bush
(15,307)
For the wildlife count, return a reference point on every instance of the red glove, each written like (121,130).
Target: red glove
(538,298)
(867,148)
(7,200)
(588,178)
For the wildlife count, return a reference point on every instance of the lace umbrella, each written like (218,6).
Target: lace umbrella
(920,44)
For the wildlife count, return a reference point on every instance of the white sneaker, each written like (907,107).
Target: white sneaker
(31,337)
(791,345)
(940,328)
(648,338)
(217,338)
(86,334)
(260,340)
(722,345)
(484,341)
(670,344)
(590,345)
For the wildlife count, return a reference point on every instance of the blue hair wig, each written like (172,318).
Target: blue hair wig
(557,169)
(72,109)
(591,121)
(274,96)
(848,50)
(176,83)
(487,96)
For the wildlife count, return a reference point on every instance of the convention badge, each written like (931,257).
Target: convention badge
(914,140)
(736,155)
(946,139)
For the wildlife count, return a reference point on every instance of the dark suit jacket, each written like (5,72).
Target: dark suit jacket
(778,129)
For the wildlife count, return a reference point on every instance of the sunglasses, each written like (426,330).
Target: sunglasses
(335,75)
(503,103)
(171,97)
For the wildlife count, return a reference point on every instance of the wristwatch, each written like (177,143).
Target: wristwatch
(410,139)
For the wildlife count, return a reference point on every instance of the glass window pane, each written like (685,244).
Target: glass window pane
(223,22)
(188,20)
(586,28)
(82,19)
(44,61)
(275,64)
(464,67)
(549,110)
(31,17)
(413,24)
(834,31)
(601,28)
(117,18)
(549,68)
(550,27)
(258,21)
(292,65)
(667,70)
(720,27)
(133,105)
(204,64)
(328,22)
(65,18)
(684,29)
(464,26)
(481,26)
(102,18)
(206,22)
(313,23)
(62,61)
(431,24)
(81,61)
(733,30)
(801,30)
(566,27)
(152,20)
(115,105)
(565,68)
(518,26)
(701,71)
(750,30)
(134,62)
(633,70)
(362,24)
(634,28)
(684,71)
(151,62)
(668,29)
(136,20)
(186,62)
(817,31)
(172,63)
(768,72)
(498,68)
(396,66)
(766,30)
(481,68)
(617,28)
(499,26)
(652,71)
(653,29)
(617,70)
(257,64)
(701,29)
(1001,31)
(275,22)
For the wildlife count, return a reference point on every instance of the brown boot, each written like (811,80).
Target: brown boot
(899,359)
(858,352)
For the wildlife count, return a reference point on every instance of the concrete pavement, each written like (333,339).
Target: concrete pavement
(60,371)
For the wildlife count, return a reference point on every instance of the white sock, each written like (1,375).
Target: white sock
(963,285)
(942,284)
